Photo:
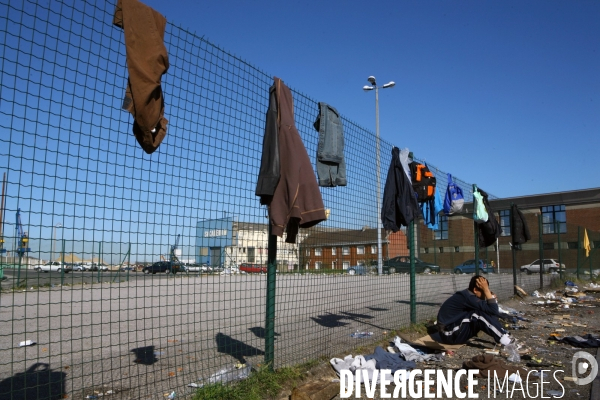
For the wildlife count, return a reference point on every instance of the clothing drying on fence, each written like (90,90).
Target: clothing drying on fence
(489,230)
(399,202)
(331,165)
(147,61)
(519,228)
(295,201)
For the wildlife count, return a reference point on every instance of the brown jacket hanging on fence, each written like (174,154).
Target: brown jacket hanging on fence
(147,60)
(297,201)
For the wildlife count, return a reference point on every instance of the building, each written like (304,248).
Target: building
(342,248)
(562,218)
(227,242)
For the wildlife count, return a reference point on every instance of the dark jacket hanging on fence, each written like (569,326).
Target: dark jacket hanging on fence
(520,230)
(147,61)
(268,176)
(400,205)
(331,165)
(296,201)
(490,230)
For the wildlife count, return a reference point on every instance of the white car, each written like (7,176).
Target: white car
(550,265)
(54,266)
(79,267)
(198,268)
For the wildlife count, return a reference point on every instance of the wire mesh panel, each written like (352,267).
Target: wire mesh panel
(139,274)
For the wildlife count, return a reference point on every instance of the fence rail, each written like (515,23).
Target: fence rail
(88,193)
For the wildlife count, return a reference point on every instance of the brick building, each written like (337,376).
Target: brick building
(341,249)
(563,217)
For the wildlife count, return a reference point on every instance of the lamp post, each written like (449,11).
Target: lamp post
(367,88)
(59,225)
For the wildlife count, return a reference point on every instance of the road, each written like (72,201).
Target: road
(155,334)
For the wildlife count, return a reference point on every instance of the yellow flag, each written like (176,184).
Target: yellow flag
(586,243)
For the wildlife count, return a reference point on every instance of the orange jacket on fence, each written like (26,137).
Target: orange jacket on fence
(147,61)
(297,201)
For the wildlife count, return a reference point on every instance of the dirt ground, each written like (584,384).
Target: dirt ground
(548,320)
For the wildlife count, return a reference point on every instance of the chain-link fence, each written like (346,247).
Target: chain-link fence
(98,212)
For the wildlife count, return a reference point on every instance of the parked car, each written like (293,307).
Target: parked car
(357,270)
(253,268)
(468,267)
(125,269)
(402,264)
(161,266)
(199,268)
(54,266)
(550,265)
(79,267)
(97,267)
(229,270)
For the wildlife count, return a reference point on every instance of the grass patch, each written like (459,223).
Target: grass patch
(261,384)
(420,328)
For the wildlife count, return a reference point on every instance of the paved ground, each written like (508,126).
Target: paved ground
(156,334)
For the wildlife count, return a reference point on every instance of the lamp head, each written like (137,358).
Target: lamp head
(371,80)
(367,88)
(389,84)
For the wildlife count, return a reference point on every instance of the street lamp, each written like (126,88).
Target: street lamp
(367,88)
(59,225)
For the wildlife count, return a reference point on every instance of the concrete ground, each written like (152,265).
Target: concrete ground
(150,336)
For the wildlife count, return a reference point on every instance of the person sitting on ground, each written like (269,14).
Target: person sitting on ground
(469,311)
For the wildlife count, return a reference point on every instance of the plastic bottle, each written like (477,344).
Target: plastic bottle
(513,353)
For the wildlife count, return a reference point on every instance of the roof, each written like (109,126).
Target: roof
(343,238)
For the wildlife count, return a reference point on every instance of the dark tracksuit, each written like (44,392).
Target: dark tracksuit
(147,61)
(463,315)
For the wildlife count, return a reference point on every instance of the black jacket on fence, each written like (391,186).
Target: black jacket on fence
(520,230)
(490,230)
(400,205)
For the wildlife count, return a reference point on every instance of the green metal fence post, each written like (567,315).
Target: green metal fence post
(413,285)
(475,237)
(578,247)
(541,250)
(514,254)
(128,261)
(270,309)
(560,271)
(99,259)
(62,261)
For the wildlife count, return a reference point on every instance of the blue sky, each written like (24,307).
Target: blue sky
(502,94)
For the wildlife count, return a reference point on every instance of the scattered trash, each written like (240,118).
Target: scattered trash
(555,393)
(224,375)
(26,343)
(171,396)
(570,283)
(360,335)
(91,397)
(536,294)
(493,352)
(515,378)
(520,291)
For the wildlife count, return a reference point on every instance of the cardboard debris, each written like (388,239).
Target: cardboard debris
(433,342)
(520,291)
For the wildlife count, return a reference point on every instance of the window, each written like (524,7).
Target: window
(441,249)
(251,254)
(505,222)
(318,265)
(551,216)
(333,251)
(346,265)
(573,245)
(426,250)
(548,246)
(360,249)
(345,251)
(318,251)
(308,252)
(373,249)
(442,232)
(334,264)
(457,249)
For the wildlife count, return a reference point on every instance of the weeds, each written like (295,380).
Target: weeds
(261,384)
